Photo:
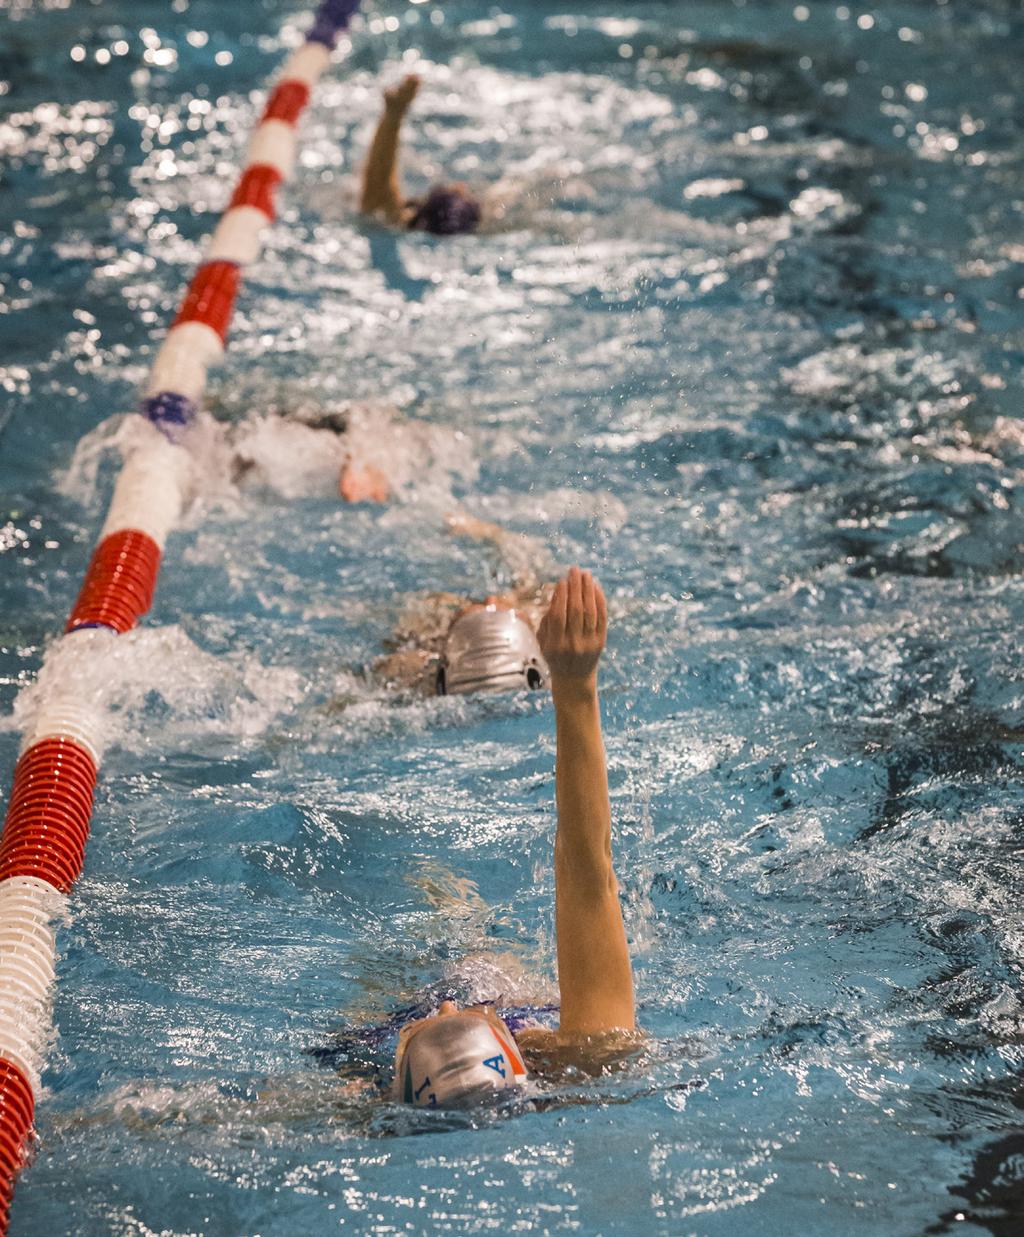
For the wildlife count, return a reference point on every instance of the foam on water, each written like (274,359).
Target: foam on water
(156,688)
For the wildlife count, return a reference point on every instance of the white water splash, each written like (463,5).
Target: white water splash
(153,687)
(851,367)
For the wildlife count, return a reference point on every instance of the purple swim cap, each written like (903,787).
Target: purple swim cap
(446,211)
(332,17)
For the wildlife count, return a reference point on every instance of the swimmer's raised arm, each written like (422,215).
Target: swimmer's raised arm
(381,189)
(594,973)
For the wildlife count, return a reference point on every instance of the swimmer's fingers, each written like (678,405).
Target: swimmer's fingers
(559,608)
(602,612)
(589,604)
(574,601)
(403,94)
(552,625)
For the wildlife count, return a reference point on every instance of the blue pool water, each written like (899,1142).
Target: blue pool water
(747,341)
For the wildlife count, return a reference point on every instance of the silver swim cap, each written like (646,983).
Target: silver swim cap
(453,1060)
(491,649)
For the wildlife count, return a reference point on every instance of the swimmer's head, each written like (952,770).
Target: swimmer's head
(446,211)
(491,648)
(455,1058)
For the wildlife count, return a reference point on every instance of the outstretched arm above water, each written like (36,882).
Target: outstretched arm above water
(594,972)
(381,189)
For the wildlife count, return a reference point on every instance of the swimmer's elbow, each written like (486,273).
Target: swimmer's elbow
(586,870)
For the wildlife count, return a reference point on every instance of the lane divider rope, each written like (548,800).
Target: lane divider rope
(42,847)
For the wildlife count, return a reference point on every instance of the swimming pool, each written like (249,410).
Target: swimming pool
(748,344)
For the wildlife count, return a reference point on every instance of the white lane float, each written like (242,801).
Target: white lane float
(42,847)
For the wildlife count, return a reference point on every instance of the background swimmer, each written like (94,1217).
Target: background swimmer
(363,450)
(445,210)
(449,644)
(359,479)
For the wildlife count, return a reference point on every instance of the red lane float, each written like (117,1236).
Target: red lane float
(211,296)
(32,823)
(47,821)
(119,584)
(17,1109)
(16,1097)
(256,188)
(46,862)
(287,102)
(58,753)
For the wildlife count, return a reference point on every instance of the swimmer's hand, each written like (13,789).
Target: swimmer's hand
(398,98)
(572,633)
(363,484)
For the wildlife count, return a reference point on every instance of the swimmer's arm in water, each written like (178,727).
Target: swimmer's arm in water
(462,524)
(594,972)
(381,189)
(519,551)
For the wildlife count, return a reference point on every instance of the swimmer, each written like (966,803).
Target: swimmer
(456,1056)
(369,452)
(444,211)
(450,645)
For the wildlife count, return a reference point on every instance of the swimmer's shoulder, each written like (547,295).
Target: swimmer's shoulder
(425,620)
(550,1051)
(412,669)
